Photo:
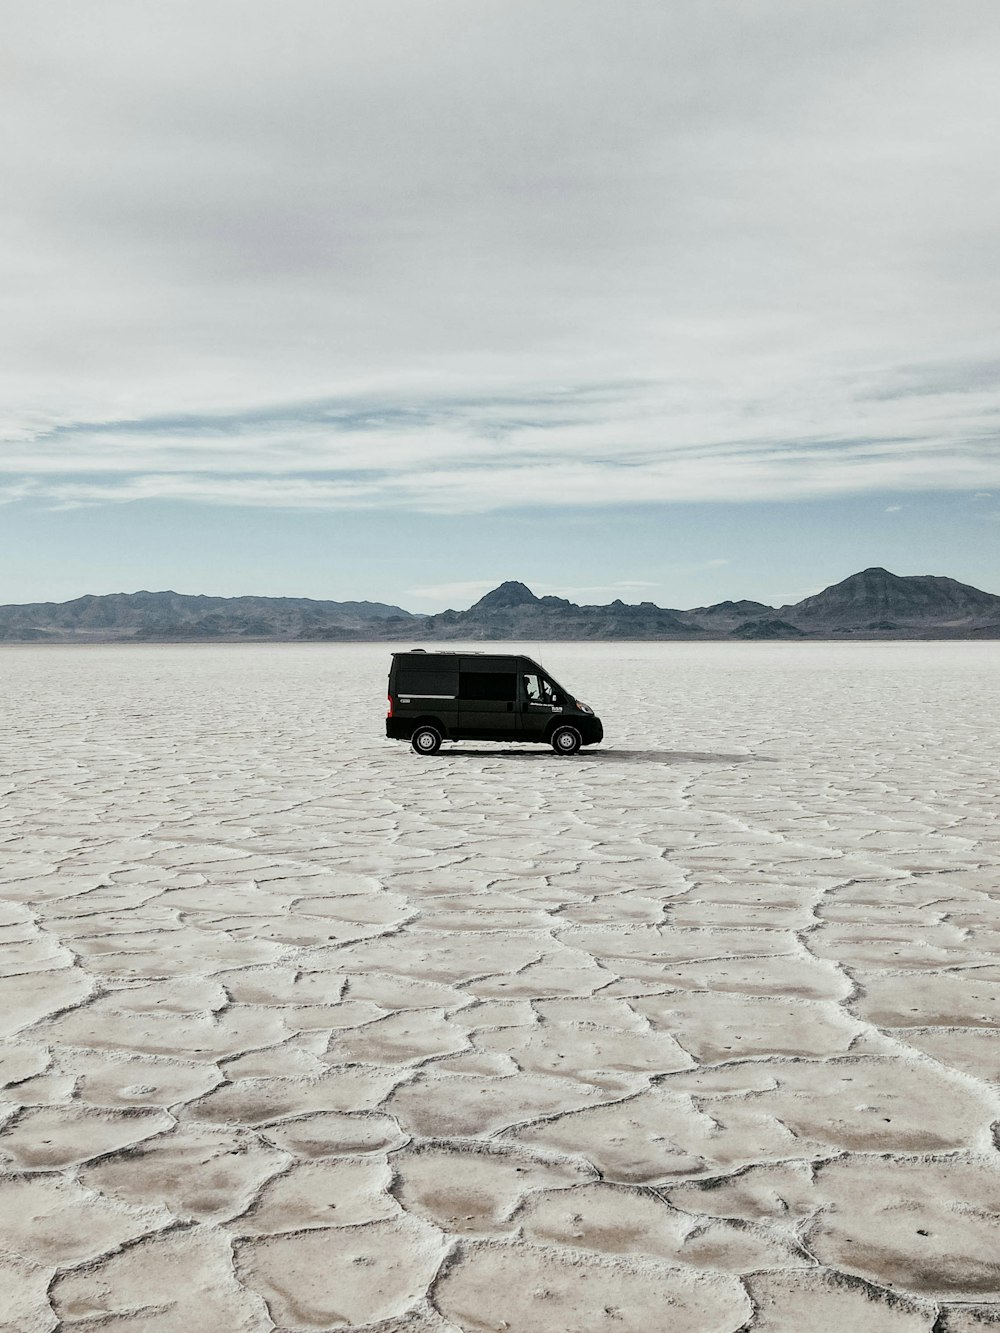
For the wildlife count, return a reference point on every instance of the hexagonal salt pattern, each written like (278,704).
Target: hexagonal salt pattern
(698,1030)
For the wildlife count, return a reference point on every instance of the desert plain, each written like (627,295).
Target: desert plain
(695,1032)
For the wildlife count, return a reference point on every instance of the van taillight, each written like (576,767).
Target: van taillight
(389,714)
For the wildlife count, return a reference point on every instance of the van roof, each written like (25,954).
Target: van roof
(461,652)
(510,658)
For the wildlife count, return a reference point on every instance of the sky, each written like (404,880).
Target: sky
(397,299)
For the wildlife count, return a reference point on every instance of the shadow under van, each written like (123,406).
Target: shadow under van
(435,697)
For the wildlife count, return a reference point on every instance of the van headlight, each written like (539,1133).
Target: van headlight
(584,708)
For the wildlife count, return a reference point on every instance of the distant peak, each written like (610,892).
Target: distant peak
(868,580)
(508,594)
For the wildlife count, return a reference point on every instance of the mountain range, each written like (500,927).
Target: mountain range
(873,604)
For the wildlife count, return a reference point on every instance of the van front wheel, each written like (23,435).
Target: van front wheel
(426,740)
(566,740)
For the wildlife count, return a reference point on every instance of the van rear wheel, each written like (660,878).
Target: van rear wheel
(426,739)
(566,740)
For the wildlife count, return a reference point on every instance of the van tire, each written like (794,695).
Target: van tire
(565,740)
(425,739)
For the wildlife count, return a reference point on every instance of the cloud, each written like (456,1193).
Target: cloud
(460,457)
(626,444)
(374,255)
(11,493)
(461,593)
(894,509)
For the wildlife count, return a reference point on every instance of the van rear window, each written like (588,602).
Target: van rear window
(500,685)
(425,684)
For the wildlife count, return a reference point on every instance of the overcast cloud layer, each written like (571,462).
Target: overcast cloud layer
(453,255)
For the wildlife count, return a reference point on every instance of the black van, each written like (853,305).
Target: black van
(483,697)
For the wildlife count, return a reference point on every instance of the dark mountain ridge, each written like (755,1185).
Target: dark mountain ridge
(873,604)
(173,615)
(875,599)
(512,611)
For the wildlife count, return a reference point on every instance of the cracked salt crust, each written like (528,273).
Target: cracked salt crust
(698,1030)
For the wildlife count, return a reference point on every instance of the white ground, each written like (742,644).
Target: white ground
(695,1032)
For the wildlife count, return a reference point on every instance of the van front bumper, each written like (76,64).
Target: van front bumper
(591,729)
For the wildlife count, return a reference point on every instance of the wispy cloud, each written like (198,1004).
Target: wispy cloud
(12,492)
(633,443)
(459,593)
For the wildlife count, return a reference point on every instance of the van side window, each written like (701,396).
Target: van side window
(496,685)
(427,684)
(539,690)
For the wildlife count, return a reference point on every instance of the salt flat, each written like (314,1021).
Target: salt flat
(697,1031)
